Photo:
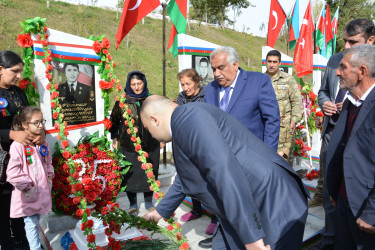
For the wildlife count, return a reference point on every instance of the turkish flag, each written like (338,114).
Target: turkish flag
(133,12)
(303,55)
(275,23)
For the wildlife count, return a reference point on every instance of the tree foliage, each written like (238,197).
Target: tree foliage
(216,11)
(349,10)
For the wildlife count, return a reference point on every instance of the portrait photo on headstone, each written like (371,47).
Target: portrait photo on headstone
(76,91)
(202,65)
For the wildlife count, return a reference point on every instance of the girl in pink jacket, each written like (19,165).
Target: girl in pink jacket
(30,171)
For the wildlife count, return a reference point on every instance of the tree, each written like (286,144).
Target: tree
(349,10)
(216,11)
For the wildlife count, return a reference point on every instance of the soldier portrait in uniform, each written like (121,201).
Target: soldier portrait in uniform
(202,65)
(76,92)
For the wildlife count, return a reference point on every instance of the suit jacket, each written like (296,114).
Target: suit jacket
(355,161)
(81,94)
(330,83)
(253,103)
(248,186)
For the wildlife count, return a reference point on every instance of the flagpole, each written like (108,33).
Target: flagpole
(164,6)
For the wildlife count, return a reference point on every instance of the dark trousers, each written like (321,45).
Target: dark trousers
(348,234)
(328,232)
(8,225)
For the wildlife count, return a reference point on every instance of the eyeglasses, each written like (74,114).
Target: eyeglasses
(37,123)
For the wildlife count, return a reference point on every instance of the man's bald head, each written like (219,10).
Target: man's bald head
(156,115)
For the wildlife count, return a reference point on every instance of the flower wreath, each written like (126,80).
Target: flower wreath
(109,81)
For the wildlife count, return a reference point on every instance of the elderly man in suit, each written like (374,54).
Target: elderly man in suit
(260,202)
(357,32)
(247,96)
(351,152)
(73,91)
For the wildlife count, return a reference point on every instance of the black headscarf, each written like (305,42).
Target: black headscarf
(128,90)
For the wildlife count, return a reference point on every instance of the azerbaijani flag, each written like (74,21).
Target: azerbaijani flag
(335,21)
(177,10)
(328,33)
(319,35)
(293,23)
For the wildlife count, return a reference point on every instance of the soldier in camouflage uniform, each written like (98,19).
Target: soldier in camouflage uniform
(290,103)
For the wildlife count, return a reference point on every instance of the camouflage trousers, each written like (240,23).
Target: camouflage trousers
(286,143)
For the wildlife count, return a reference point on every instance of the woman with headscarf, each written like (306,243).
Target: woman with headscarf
(135,179)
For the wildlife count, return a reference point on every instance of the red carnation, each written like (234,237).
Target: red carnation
(66,154)
(76,200)
(138,147)
(106,43)
(46,36)
(185,245)
(144,166)
(44,43)
(48,87)
(97,47)
(170,227)
(105,52)
(104,211)
(45,28)
(134,139)
(57,126)
(128,111)
(49,58)
(23,83)
(158,183)
(39,37)
(177,225)
(113,205)
(122,105)
(64,144)
(119,87)
(150,174)
(151,189)
(55,115)
(49,76)
(319,113)
(24,40)
(90,223)
(156,196)
(109,57)
(79,213)
(49,67)
(114,65)
(107,123)
(53,105)
(54,94)
(91,238)
(56,86)
(86,181)
(145,154)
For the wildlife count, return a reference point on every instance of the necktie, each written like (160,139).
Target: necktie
(225,100)
(339,98)
(72,89)
(340,95)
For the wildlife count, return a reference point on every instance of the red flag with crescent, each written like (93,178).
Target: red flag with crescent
(275,23)
(303,55)
(133,12)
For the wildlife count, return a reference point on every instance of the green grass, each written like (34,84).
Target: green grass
(145,40)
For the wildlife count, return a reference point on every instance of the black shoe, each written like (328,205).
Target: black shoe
(321,246)
(207,243)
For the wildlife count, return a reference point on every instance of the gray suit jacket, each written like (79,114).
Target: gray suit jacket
(329,86)
(252,190)
(354,160)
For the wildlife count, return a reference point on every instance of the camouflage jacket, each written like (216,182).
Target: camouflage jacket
(288,97)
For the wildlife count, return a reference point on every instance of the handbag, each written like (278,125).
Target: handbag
(4,160)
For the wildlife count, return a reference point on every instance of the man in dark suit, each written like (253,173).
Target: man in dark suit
(257,197)
(351,152)
(357,32)
(73,91)
(247,96)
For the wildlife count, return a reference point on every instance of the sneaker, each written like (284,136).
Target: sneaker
(315,201)
(211,228)
(133,211)
(189,216)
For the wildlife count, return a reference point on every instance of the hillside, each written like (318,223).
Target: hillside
(145,40)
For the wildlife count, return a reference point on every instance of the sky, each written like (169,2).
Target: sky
(249,20)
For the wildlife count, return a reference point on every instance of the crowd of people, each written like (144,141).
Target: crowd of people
(232,144)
